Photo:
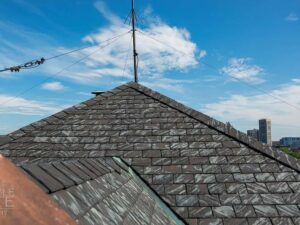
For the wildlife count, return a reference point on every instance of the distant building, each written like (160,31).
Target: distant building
(291,142)
(276,144)
(253,133)
(265,135)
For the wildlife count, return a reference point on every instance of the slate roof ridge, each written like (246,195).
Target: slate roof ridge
(273,153)
(59,115)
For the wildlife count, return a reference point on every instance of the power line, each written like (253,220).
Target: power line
(112,40)
(38,62)
(215,68)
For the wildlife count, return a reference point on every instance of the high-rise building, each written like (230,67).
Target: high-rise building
(253,133)
(265,135)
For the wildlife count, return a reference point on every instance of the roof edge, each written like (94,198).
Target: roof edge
(273,153)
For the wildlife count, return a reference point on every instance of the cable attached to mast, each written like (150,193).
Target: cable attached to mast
(37,62)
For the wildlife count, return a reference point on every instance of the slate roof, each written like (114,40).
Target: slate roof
(95,191)
(23,203)
(207,172)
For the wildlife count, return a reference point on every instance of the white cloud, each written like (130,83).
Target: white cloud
(202,54)
(251,108)
(53,86)
(155,59)
(292,17)
(241,68)
(22,106)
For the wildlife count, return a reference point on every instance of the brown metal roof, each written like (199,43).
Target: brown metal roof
(23,202)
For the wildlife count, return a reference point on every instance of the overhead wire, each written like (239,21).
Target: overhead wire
(36,62)
(215,68)
(112,40)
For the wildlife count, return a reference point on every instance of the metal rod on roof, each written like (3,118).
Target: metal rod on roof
(135,54)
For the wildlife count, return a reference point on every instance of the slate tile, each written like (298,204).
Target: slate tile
(265,210)
(170,139)
(211,168)
(184,178)
(239,177)
(251,199)
(43,177)
(198,160)
(205,178)
(141,161)
(208,151)
(236,159)
(189,152)
(163,179)
(287,176)
(178,189)
(171,169)
(270,168)
(187,200)
(256,188)
(57,174)
(180,160)
(230,168)
(278,187)
(224,211)
(191,169)
(229,199)
(263,177)
(288,210)
(200,212)
(213,145)
(161,161)
(217,159)
(236,188)
(211,221)
(152,170)
(209,200)
(259,221)
(69,203)
(244,211)
(235,221)
(231,144)
(216,188)
(170,153)
(272,198)
(151,153)
(282,221)
(250,168)
(197,188)
(295,186)
(224,178)
(292,198)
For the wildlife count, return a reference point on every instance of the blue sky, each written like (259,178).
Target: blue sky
(212,42)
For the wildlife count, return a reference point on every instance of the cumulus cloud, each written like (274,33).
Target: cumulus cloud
(53,86)
(292,17)
(155,59)
(251,108)
(22,106)
(241,68)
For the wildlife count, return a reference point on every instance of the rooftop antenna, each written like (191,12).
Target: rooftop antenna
(135,54)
